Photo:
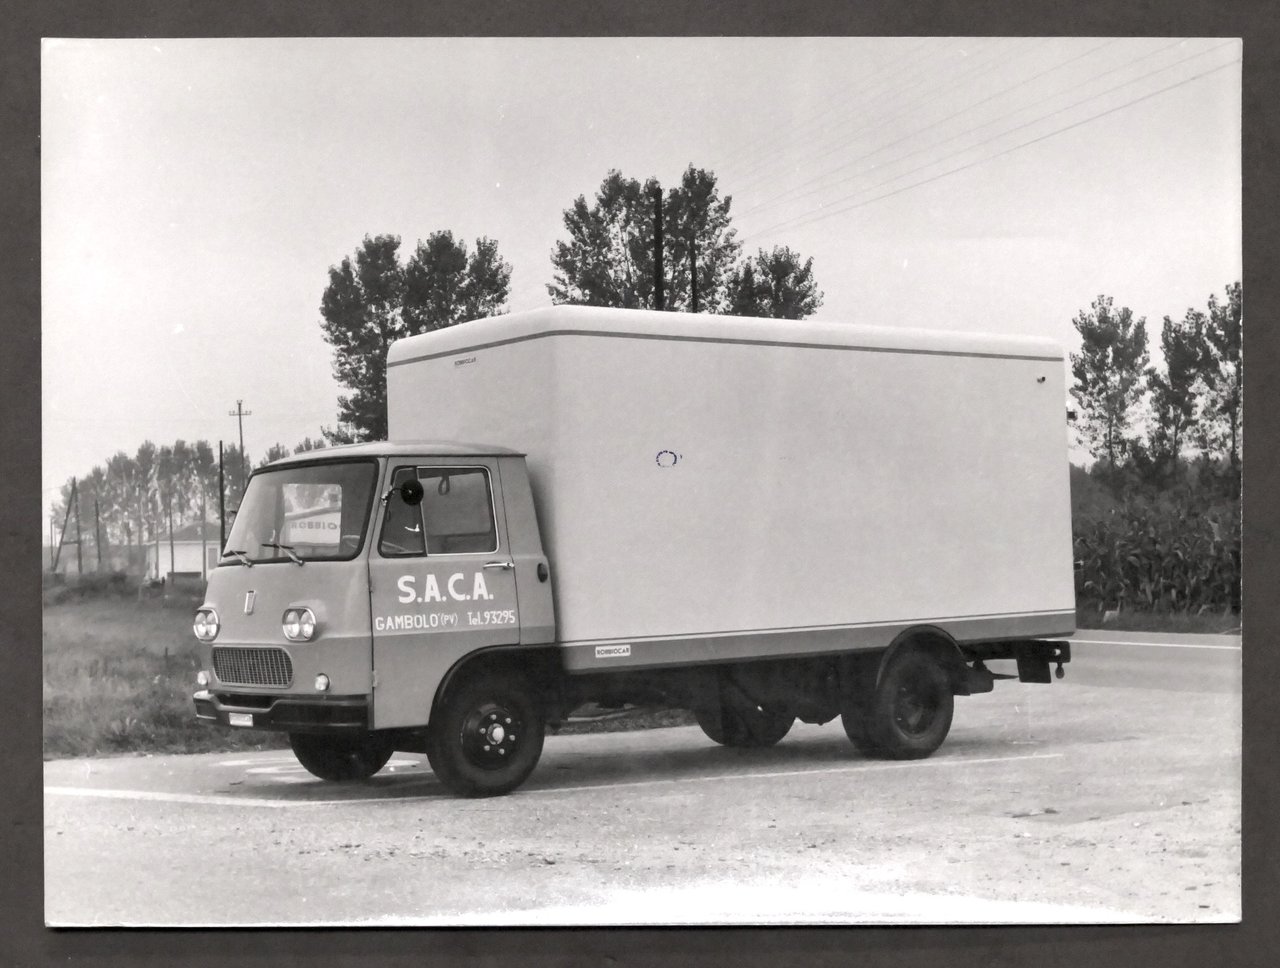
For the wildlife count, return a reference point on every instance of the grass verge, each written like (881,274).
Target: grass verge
(1206,623)
(118,678)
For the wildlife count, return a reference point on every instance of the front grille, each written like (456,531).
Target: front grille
(252,667)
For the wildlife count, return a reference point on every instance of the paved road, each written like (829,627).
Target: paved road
(1110,795)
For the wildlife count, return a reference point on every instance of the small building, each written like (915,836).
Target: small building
(194,555)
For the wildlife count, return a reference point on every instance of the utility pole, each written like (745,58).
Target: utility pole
(240,413)
(75,498)
(693,271)
(657,248)
(168,506)
(97,531)
(222,506)
(204,535)
(62,539)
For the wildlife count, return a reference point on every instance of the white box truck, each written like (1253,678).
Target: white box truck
(757,520)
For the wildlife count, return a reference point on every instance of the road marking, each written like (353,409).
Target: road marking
(288,758)
(226,801)
(1150,645)
(850,768)
(219,801)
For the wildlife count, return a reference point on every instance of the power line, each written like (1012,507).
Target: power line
(752,168)
(949,80)
(819,214)
(1020,83)
(873,110)
(1007,131)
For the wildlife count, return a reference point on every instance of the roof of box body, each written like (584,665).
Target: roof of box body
(401,448)
(705,328)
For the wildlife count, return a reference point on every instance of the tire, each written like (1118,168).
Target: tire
(486,736)
(909,714)
(340,759)
(744,726)
(854,719)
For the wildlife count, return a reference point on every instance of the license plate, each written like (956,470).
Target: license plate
(240,719)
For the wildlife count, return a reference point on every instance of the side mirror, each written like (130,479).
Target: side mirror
(411,492)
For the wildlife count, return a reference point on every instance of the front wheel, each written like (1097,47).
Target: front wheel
(340,759)
(486,736)
(908,714)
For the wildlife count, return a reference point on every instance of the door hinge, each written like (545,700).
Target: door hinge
(374,683)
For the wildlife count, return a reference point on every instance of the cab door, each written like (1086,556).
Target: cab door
(442,581)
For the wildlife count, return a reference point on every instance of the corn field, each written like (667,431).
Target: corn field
(1159,557)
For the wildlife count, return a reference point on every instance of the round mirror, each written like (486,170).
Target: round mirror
(411,492)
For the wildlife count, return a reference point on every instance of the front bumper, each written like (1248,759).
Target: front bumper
(295,714)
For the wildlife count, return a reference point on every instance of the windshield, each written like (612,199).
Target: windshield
(317,512)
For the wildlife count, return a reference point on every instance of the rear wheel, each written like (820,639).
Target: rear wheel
(908,714)
(744,726)
(854,717)
(341,759)
(486,736)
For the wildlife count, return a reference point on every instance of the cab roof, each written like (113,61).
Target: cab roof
(398,448)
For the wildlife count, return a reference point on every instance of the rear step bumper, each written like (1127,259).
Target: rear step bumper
(1034,657)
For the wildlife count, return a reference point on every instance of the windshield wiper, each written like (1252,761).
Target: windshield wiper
(287,549)
(244,558)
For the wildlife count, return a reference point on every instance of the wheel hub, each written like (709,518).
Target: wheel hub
(490,735)
(915,710)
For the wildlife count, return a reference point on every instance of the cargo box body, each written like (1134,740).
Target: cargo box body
(712,488)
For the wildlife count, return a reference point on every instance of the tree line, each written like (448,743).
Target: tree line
(135,500)
(609,258)
(1156,519)
(1146,420)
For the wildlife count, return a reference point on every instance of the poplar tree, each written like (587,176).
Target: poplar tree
(1174,391)
(374,299)
(609,255)
(1224,377)
(775,284)
(608,258)
(1108,373)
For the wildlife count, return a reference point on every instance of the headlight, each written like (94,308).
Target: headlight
(202,678)
(299,624)
(205,625)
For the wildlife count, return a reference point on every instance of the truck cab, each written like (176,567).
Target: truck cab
(356,582)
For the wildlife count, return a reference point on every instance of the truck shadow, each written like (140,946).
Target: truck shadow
(811,754)
(635,759)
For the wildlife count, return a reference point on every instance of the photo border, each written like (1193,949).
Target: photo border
(25,941)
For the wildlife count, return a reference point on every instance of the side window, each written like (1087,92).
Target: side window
(402,531)
(458,509)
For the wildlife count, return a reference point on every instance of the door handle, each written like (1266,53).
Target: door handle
(504,565)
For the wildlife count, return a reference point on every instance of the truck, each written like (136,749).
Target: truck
(754,520)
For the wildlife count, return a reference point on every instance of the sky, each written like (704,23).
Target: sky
(196,192)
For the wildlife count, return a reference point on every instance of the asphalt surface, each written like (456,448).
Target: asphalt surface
(1111,795)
